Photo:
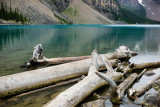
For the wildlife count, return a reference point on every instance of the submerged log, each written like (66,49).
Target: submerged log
(75,94)
(30,80)
(39,58)
(141,91)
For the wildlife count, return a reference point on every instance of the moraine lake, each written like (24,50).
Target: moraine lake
(17,43)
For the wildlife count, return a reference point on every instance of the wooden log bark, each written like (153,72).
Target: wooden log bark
(141,91)
(30,80)
(75,94)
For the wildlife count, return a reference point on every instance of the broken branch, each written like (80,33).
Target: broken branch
(139,92)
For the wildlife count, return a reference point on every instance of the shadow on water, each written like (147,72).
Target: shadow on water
(17,42)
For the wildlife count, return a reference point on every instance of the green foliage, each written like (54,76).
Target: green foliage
(12,15)
(62,20)
(71,11)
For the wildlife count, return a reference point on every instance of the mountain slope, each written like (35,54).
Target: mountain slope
(109,8)
(81,13)
(152,9)
(86,11)
(37,12)
(130,3)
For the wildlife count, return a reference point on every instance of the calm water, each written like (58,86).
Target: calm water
(17,42)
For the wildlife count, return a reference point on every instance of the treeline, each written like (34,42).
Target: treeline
(9,14)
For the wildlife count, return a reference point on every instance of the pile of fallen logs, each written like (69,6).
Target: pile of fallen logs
(116,65)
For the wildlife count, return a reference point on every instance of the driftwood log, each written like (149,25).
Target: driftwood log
(141,91)
(30,80)
(118,92)
(126,67)
(39,58)
(63,83)
(75,94)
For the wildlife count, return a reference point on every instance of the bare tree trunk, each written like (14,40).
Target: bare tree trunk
(75,94)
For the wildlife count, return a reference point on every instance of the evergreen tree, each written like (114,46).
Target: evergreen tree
(12,15)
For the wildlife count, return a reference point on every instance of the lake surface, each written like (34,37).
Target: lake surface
(17,42)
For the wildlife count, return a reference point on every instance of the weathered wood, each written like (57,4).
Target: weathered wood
(146,65)
(56,61)
(75,94)
(121,89)
(117,93)
(141,74)
(75,80)
(26,81)
(96,103)
(113,92)
(30,80)
(128,68)
(94,63)
(38,57)
(141,91)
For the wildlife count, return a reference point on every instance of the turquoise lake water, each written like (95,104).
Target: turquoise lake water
(17,42)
